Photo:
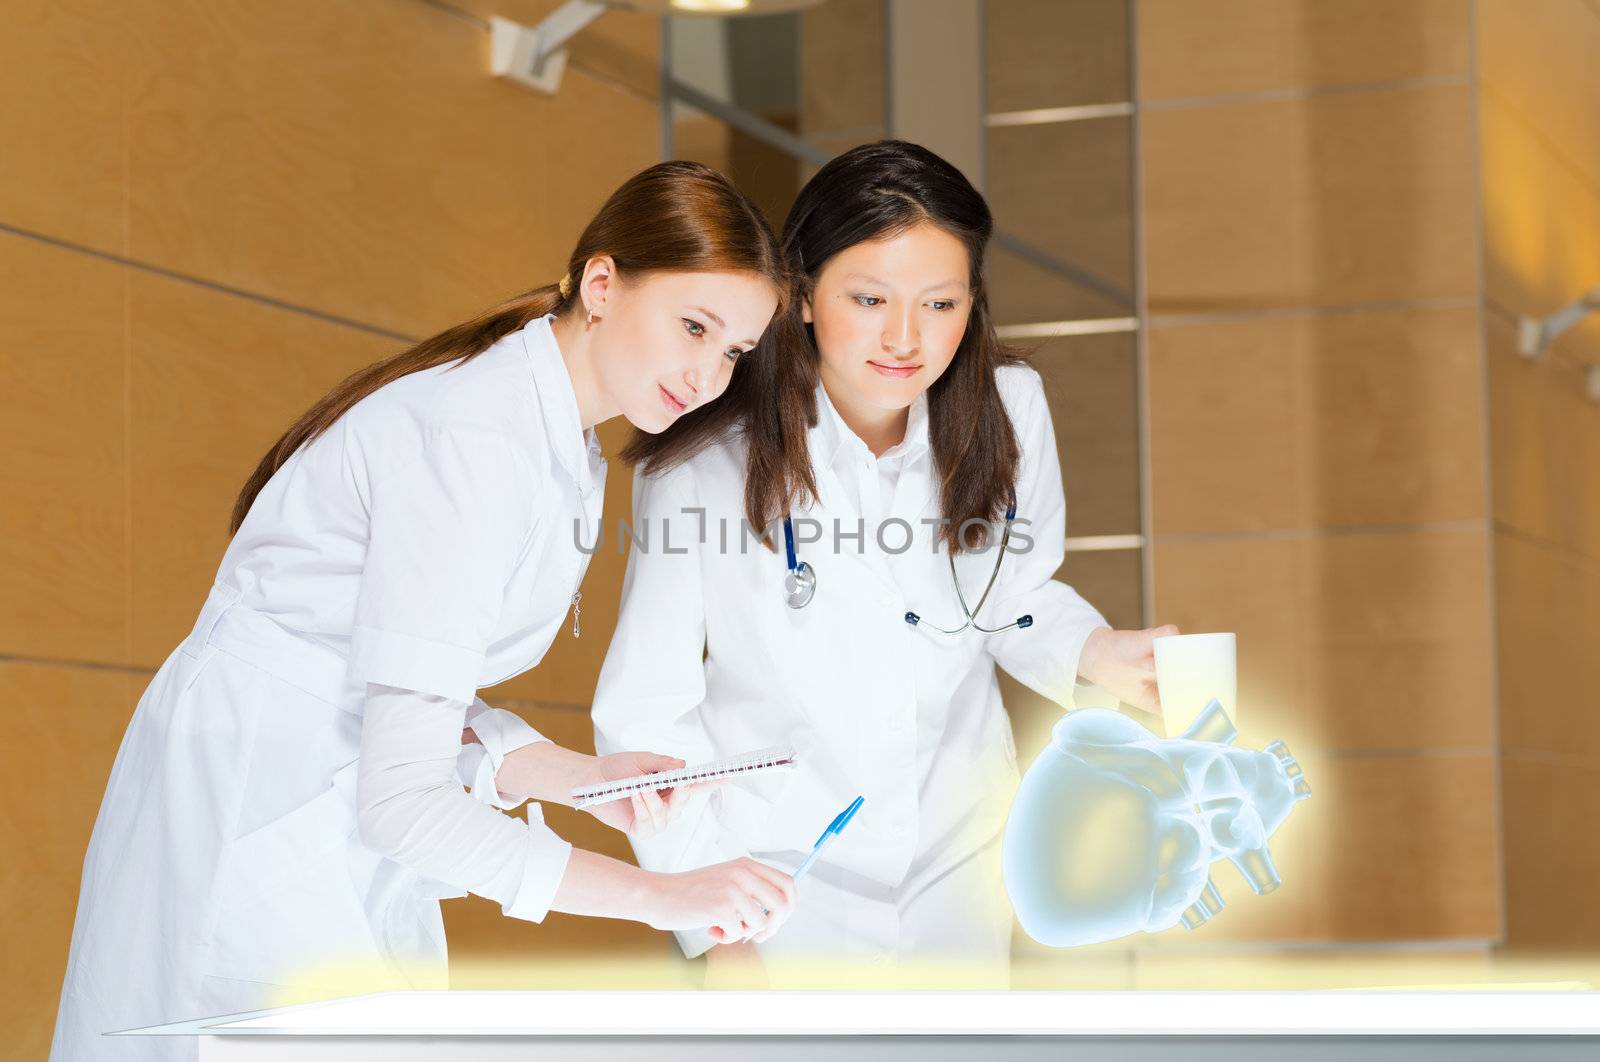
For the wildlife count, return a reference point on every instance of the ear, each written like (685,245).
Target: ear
(805,309)
(599,282)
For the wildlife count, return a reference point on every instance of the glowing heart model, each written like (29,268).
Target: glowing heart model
(1114,830)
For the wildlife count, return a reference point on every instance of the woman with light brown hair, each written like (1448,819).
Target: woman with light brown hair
(288,799)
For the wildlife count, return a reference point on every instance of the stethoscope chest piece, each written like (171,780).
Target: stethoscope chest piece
(799,585)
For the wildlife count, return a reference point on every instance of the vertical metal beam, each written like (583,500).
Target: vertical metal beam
(664,89)
(1141,304)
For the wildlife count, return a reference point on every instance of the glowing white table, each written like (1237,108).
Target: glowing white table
(926,1026)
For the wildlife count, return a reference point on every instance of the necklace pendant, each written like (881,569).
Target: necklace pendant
(577,611)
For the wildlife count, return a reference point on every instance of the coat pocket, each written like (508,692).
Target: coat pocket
(287,907)
(745,811)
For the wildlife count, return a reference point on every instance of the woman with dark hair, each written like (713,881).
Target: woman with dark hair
(903,466)
(287,804)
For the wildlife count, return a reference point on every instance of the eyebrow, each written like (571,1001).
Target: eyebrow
(720,322)
(885,283)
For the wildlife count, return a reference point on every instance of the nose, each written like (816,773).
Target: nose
(701,377)
(902,338)
(692,380)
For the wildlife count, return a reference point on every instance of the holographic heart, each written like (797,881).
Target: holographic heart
(1114,830)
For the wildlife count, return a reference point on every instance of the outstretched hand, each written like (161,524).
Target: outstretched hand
(1124,664)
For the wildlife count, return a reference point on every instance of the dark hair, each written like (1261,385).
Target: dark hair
(674,216)
(868,193)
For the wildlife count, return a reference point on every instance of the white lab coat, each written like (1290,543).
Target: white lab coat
(424,543)
(908,718)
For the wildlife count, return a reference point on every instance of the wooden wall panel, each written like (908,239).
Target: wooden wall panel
(1056,53)
(396,183)
(1225,47)
(1552,860)
(1543,70)
(1091,383)
(1320,201)
(1316,432)
(1546,444)
(69,720)
(1373,641)
(842,83)
(1023,292)
(1065,189)
(63,533)
(1111,581)
(1337,420)
(1548,604)
(1541,222)
(1539,130)
(62,148)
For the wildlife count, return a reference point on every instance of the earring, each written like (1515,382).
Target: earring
(593,317)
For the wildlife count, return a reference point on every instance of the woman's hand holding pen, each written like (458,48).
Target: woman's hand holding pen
(1124,664)
(738,900)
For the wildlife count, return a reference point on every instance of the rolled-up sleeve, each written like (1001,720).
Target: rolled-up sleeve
(1045,655)
(450,514)
(410,808)
(499,734)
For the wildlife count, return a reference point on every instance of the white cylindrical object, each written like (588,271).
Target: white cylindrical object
(1191,669)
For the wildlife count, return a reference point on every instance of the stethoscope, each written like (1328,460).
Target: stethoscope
(800,584)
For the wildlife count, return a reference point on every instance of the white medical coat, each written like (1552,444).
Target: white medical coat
(424,542)
(906,717)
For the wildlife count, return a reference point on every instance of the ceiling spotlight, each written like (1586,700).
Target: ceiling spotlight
(711,7)
(536,56)
(718,7)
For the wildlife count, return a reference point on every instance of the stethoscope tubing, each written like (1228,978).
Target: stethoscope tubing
(800,583)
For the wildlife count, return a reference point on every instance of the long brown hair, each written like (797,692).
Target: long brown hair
(674,216)
(868,193)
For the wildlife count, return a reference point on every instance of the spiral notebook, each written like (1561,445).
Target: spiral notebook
(781,757)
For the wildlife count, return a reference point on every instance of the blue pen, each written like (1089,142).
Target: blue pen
(834,829)
(840,821)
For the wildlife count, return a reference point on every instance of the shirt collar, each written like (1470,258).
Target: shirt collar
(577,450)
(832,434)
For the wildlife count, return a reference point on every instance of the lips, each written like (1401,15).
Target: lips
(895,372)
(672,401)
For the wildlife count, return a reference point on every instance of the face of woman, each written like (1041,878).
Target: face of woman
(888,316)
(669,340)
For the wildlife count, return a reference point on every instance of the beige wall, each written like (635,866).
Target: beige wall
(1316,433)
(209,213)
(1539,125)
(212,211)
